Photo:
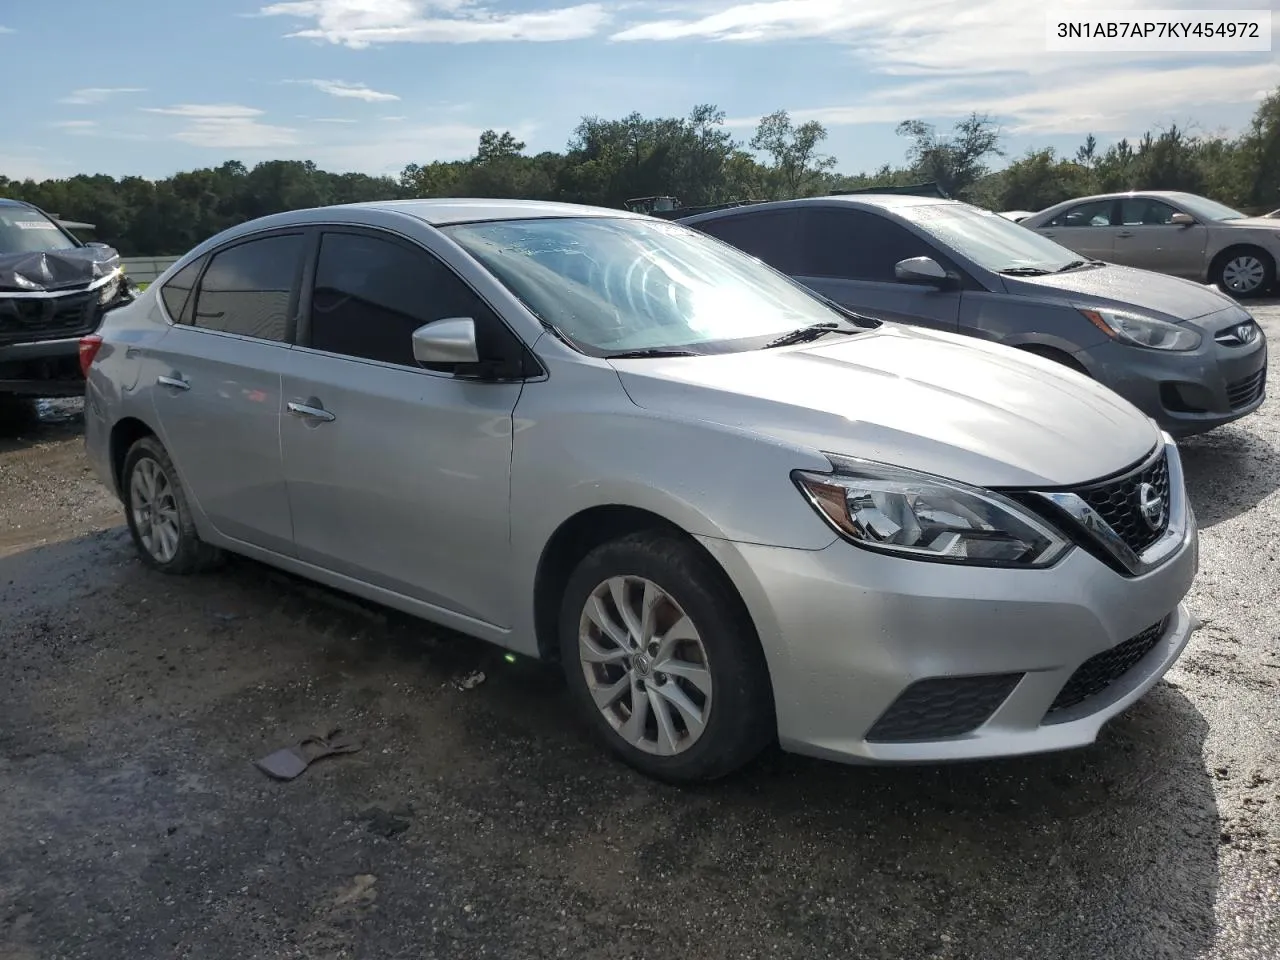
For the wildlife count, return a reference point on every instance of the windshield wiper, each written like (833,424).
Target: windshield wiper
(1077,264)
(1023,271)
(649,354)
(805,334)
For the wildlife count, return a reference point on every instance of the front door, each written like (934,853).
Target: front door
(1146,239)
(849,256)
(217,390)
(398,476)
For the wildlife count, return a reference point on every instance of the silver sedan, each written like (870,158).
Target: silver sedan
(734,513)
(1169,232)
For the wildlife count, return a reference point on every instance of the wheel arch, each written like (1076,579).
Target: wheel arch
(124,434)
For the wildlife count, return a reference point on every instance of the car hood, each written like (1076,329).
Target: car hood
(981,413)
(1170,298)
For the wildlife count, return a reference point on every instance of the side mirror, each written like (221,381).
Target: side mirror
(1182,220)
(921,270)
(451,341)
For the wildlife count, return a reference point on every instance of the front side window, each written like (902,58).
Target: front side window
(248,288)
(1095,213)
(1143,211)
(855,245)
(371,294)
(1202,208)
(27,230)
(988,239)
(619,285)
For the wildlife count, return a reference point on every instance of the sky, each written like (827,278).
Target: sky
(150,87)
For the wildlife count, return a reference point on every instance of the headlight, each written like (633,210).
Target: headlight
(923,517)
(1143,331)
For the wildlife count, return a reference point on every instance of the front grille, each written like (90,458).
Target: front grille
(47,318)
(1117,502)
(1243,392)
(1099,672)
(942,707)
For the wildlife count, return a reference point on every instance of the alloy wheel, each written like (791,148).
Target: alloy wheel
(1243,273)
(155,510)
(645,665)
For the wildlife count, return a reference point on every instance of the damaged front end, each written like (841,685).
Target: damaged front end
(49,298)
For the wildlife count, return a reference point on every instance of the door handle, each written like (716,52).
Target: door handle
(1124,234)
(308,412)
(176,382)
(1048,234)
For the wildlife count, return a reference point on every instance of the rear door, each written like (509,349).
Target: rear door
(850,255)
(1085,228)
(398,476)
(217,389)
(1148,240)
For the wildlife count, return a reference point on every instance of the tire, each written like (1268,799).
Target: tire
(148,478)
(1244,272)
(722,675)
(1057,356)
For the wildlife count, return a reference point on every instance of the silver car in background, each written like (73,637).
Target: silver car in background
(1186,355)
(1181,234)
(733,513)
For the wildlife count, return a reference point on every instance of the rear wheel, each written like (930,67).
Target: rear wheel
(158,515)
(1244,271)
(663,660)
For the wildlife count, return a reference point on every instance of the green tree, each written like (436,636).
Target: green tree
(956,161)
(794,151)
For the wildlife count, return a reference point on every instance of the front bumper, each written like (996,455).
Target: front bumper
(43,368)
(847,633)
(1186,393)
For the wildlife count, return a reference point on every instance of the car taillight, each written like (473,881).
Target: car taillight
(89,347)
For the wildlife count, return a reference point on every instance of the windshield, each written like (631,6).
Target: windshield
(618,285)
(27,230)
(988,239)
(1202,208)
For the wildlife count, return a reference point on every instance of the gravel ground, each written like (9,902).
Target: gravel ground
(483,822)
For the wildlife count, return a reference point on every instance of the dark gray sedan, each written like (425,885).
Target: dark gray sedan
(1185,354)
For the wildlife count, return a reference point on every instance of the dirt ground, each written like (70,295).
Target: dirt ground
(483,822)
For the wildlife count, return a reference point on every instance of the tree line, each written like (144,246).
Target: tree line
(694,158)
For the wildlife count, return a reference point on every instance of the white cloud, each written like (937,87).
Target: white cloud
(359,23)
(226,126)
(76,126)
(394,146)
(333,120)
(394,119)
(985,55)
(98,94)
(4,29)
(350,91)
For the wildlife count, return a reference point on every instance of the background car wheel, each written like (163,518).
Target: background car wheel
(156,508)
(1057,356)
(1244,272)
(663,659)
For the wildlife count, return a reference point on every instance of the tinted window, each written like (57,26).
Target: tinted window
(766,236)
(854,245)
(177,290)
(248,287)
(371,294)
(1096,213)
(1141,211)
(26,230)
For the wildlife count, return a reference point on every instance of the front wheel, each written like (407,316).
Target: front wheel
(1244,272)
(159,518)
(662,658)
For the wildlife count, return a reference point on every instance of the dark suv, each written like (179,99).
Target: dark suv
(53,290)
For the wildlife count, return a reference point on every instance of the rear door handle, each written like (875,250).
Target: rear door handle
(1048,234)
(1124,234)
(176,382)
(308,412)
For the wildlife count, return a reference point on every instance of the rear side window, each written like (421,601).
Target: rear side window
(248,288)
(1096,213)
(855,245)
(766,236)
(371,294)
(176,293)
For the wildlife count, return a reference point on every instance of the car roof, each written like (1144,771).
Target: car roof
(447,210)
(863,201)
